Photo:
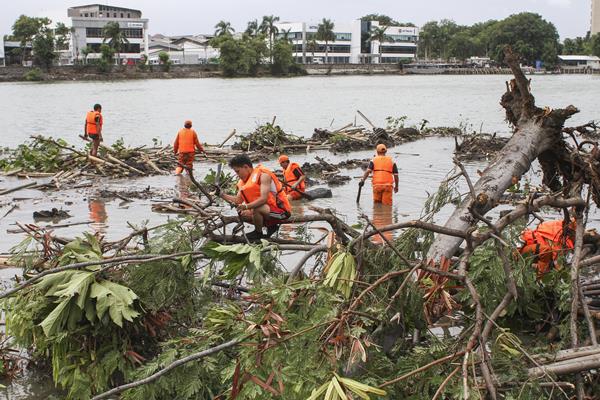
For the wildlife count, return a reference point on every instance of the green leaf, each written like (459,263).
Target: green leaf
(115,298)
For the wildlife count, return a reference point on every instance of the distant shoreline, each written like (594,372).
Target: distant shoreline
(198,71)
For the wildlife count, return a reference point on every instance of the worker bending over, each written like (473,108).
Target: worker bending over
(293,178)
(385,176)
(185,147)
(261,199)
(546,242)
(93,128)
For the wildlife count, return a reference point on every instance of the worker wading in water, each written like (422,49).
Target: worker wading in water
(93,128)
(185,147)
(546,242)
(385,176)
(293,178)
(260,199)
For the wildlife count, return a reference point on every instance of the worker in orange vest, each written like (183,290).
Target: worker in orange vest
(260,199)
(93,128)
(185,146)
(293,178)
(546,242)
(385,176)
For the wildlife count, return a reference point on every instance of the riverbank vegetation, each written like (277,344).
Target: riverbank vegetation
(418,309)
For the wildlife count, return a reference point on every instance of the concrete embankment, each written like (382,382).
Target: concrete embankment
(93,73)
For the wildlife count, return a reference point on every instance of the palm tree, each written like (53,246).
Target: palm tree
(253,28)
(325,33)
(378,34)
(115,37)
(223,28)
(312,46)
(286,35)
(268,28)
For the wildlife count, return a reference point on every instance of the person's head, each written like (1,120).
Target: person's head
(381,149)
(97,107)
(284,161)
(242,166)
(187,124)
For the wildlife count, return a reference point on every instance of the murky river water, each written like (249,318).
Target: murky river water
(141,110)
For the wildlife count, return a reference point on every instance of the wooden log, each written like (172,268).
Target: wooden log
(11,190)
(568,354)
(232,134)
(98,160)
(124,165)
(35,174)
(566,367)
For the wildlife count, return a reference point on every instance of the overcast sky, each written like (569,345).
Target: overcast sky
(178,17)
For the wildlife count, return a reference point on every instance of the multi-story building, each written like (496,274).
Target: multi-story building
(88,23)
(352,44)
(595,26)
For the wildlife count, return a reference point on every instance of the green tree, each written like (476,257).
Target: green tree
(115,36)
(325,33)
(106,57)
(26,28)
(378,34)
(385,20)
(312,46)
(62,32)
(283,58)
(240,56)
(43,48)
(270,30)
(223,28)
(427,40)
(531,36)
(595,45)
(462,45)
(253,28)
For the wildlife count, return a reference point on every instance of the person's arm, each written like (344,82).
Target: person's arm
(176,144)
(237,199)
(367,173)
(265,188)
(198,144)
(299,177)
(85,134)
(396,179)
(98,127)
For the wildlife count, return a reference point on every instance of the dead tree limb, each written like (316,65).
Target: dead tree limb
(536,131)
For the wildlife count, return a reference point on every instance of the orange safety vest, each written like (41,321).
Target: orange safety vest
(250,189)
(290,177)
(187,141)
(546,242)
(90,120)
(383,171)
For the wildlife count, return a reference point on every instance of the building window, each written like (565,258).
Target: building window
(121,15)
(85,15)
(128,15)
(397,50)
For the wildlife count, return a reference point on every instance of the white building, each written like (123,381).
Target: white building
(88,22)
(351,44)
(595,25)
(579,62)
(189,49)
(2,60)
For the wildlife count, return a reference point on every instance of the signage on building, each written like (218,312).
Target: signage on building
(135,24)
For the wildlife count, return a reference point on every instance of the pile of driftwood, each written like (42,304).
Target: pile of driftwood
(478,147)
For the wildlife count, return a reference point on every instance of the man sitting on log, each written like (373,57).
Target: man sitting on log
(546,242)
(261,199)
(293,178)
(385,176)
(185,147)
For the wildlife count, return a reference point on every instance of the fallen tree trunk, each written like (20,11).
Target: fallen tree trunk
(537,131)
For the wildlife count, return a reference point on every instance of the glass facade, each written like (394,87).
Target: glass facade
(133,33)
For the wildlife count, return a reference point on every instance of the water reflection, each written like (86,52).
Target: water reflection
(98,215)
(382,216)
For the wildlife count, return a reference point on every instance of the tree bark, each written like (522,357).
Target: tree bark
(537,133)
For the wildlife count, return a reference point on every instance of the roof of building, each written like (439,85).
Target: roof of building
(105,5)
(194,39)
(578,58)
